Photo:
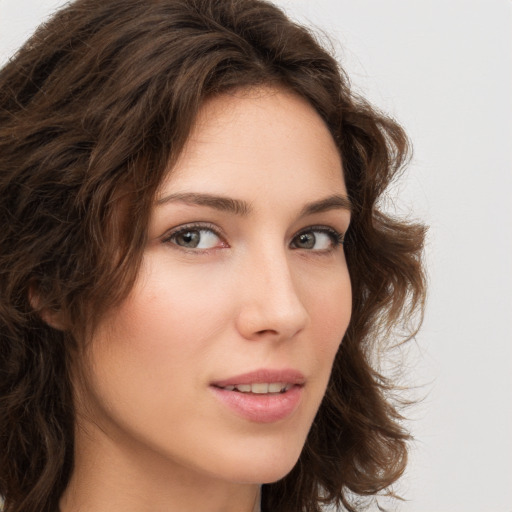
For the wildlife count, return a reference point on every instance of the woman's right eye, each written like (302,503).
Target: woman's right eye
(195,237)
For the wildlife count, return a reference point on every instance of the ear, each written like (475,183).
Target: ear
(53,317)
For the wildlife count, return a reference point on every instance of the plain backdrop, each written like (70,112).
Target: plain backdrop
(443,68)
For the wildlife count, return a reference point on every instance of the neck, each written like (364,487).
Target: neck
(109,478)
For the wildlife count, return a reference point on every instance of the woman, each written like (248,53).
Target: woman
(195,276)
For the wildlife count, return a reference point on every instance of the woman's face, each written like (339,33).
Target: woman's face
(244,284)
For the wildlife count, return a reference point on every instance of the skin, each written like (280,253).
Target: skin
(151,435)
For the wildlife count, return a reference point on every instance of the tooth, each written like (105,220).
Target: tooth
(260,388)
(275,387)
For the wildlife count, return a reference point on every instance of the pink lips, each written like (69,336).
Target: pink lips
(262,408)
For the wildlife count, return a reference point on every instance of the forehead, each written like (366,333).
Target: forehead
(263,138)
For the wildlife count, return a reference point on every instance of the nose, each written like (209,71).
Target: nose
(270,307)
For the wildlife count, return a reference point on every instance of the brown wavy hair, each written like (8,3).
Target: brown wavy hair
(92,110)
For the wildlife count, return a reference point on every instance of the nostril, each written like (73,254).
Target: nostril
(266,331)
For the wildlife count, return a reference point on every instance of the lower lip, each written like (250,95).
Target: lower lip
(264,408)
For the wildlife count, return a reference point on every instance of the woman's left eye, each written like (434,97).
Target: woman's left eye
(317,239)
(195,237)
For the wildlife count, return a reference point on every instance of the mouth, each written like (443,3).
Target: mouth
(262,396)
(260,388)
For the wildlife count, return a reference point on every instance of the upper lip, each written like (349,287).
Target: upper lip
(287,375)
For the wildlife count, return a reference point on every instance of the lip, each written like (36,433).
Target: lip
(287,375)
(262,408)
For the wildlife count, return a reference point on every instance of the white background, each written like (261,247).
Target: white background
(444,69)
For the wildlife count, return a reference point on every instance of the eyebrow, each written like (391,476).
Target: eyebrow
(226,204)
(243,208)
(334,202)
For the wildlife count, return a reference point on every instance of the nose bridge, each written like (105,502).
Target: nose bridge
(271,304)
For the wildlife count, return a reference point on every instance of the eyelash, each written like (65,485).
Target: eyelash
(337,238)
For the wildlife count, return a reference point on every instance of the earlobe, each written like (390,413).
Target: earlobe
(55,318)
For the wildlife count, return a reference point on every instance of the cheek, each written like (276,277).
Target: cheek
(158,337)
(175,307)
(328,293)
(330,310)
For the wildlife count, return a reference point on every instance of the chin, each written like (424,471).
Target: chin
(262,474)
(262,466)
